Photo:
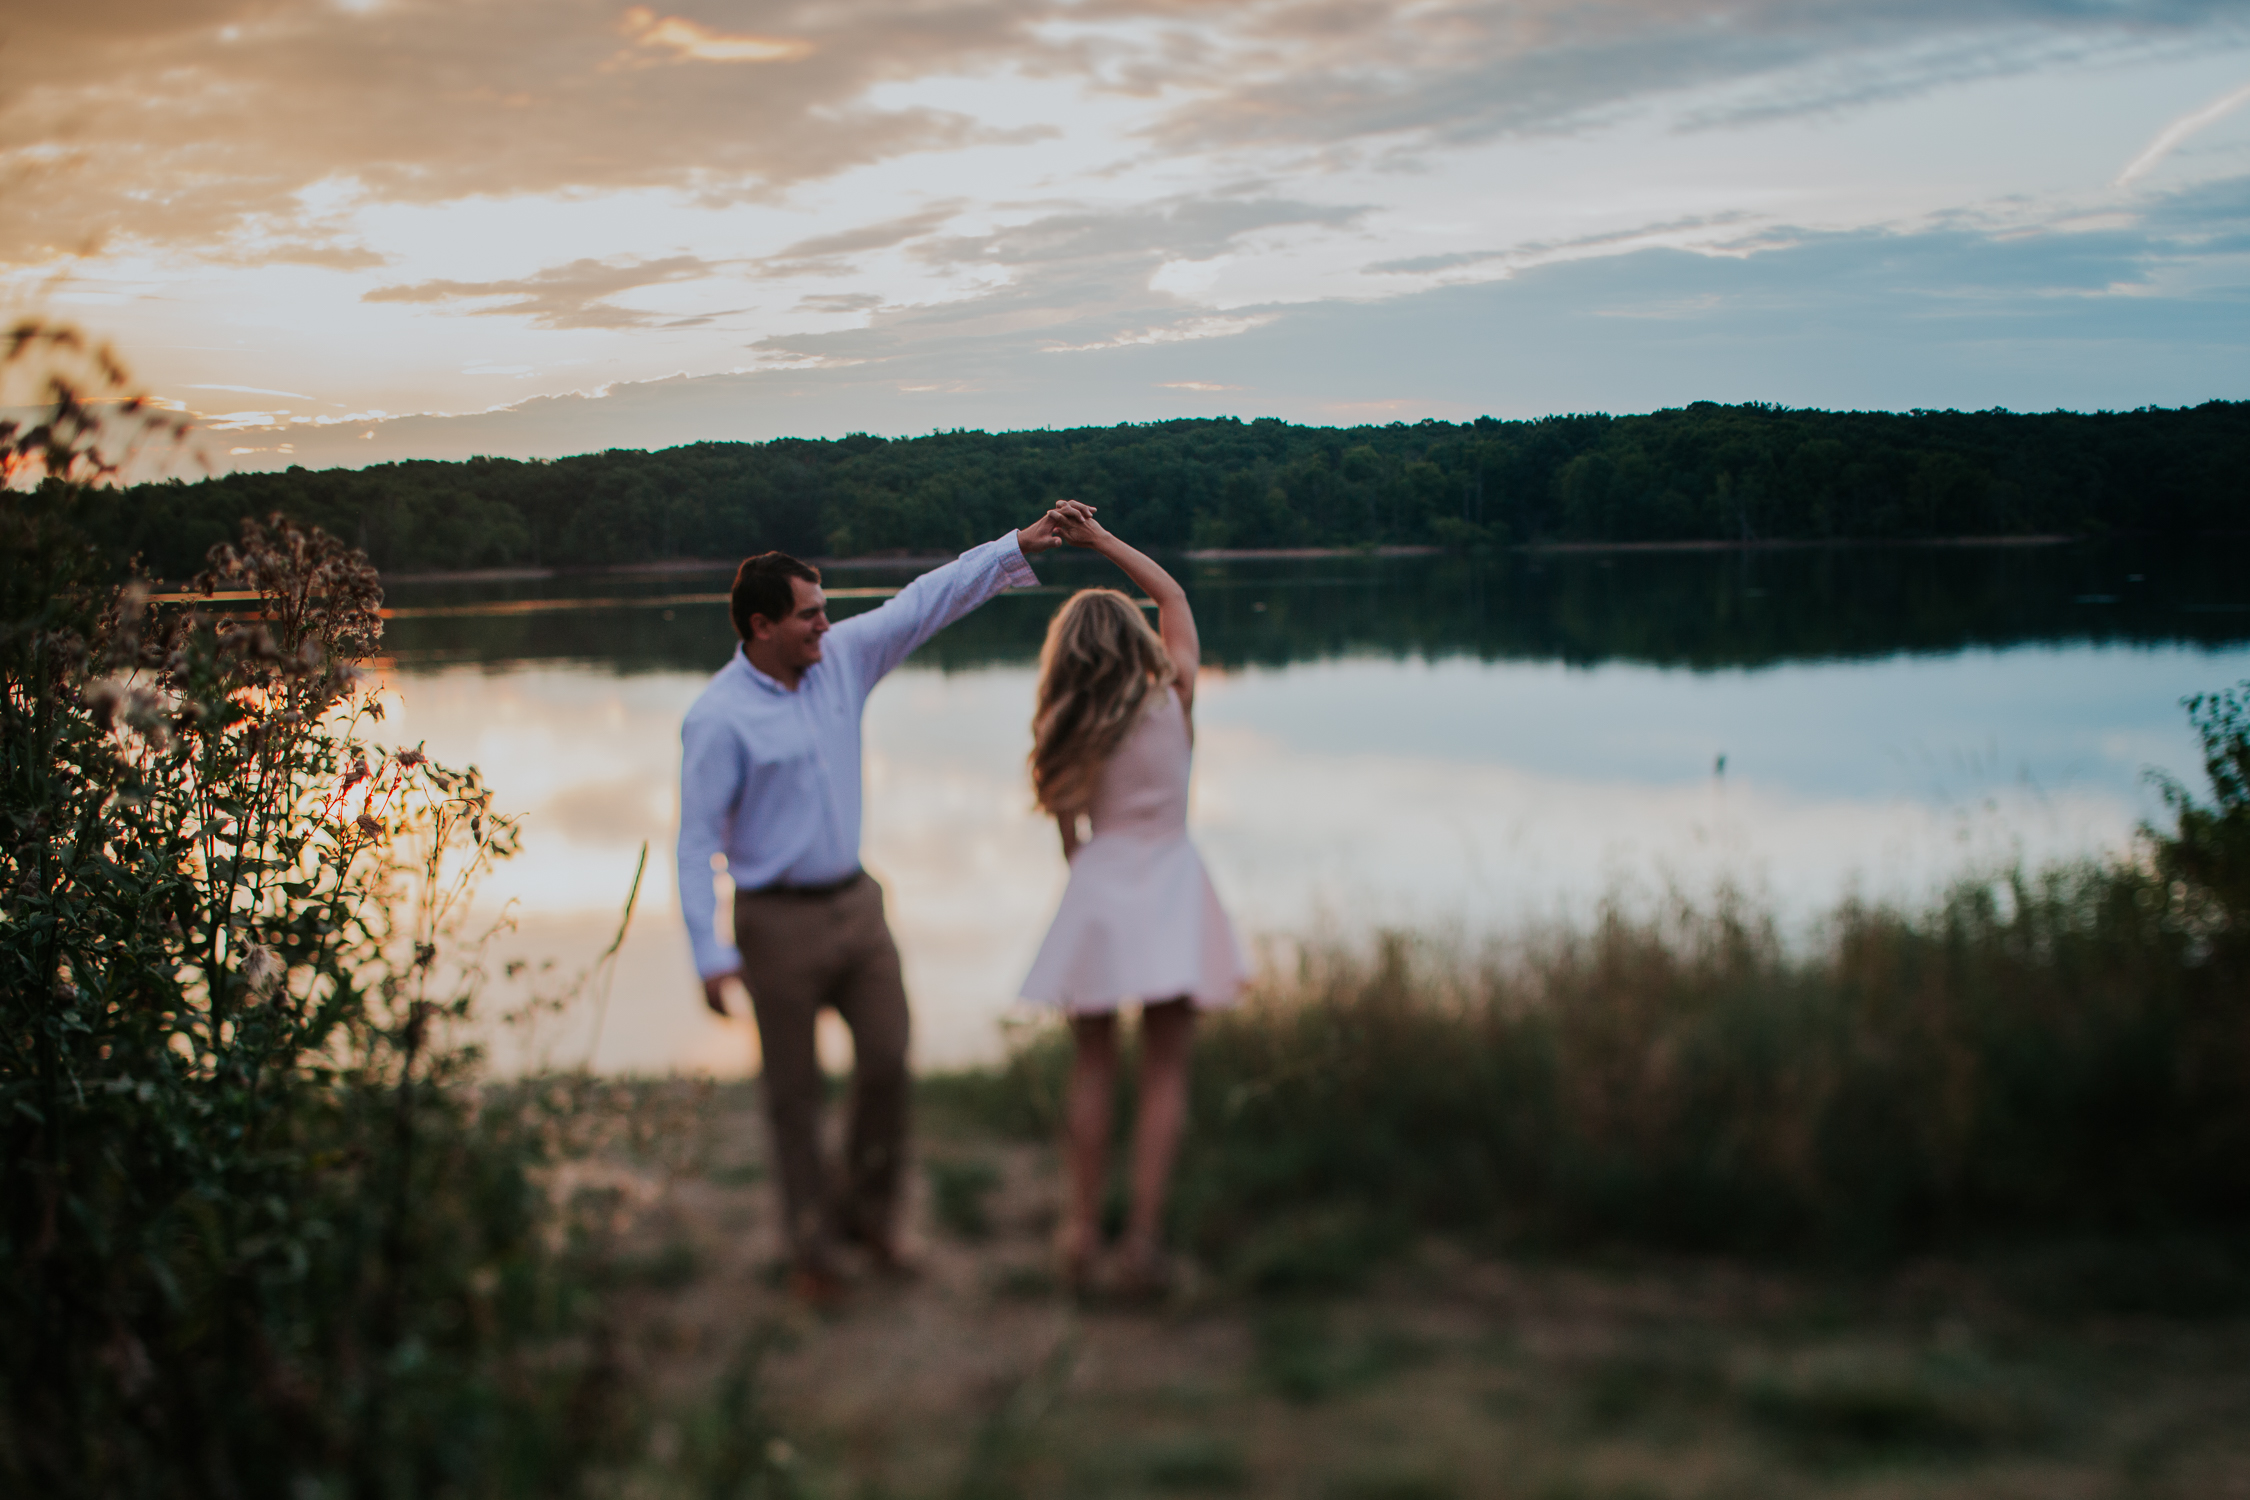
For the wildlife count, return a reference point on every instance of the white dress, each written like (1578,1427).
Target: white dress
(1139,919)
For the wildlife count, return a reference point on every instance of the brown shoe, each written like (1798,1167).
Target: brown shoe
(818,1288)
(884,1255)
(889,1261)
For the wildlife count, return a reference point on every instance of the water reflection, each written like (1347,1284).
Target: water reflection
(1381,741)
(1699,610)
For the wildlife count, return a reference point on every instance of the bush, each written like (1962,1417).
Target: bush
(264,1235)
(2208,853)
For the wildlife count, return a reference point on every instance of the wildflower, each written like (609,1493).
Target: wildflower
(103,697)
(110,699)
(262,969)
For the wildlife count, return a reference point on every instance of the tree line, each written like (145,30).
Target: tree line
(1705,472)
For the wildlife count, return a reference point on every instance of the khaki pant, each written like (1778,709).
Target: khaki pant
(800,953)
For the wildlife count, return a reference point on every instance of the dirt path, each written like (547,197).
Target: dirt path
(1452,1376)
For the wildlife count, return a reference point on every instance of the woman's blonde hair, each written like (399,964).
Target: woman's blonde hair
(1095,673)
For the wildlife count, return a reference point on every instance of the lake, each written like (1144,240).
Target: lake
(1463,745)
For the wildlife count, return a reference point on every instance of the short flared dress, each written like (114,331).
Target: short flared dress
(1139,919)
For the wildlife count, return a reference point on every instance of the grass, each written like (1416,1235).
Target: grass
(1451,1367)
(1459,1371)
(1201,1462)
(1852,1401)
(1304,1358)
(958,1190)
(2047,1066)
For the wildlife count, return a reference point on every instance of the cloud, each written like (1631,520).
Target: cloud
(567,296)
(1956,316)
(328,254)
(880,236)
(2172,136)
(691,41)
(1077,280)
(1422,265)
(1325,74)
(1196,228)
(827,254)
(210,126)
(195,124)
(1532,252)
(249,390)
(1172,333)
(840,302)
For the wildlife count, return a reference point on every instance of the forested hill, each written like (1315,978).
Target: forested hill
(1705,472)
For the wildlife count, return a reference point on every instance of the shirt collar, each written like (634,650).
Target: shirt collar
(759,678)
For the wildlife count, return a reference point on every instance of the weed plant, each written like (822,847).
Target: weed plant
(264,1234)
(2059,1058)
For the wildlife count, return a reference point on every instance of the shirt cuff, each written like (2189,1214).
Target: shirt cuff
(719,961)
(1015,568)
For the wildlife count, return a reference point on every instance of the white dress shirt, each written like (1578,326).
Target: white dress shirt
(770,778)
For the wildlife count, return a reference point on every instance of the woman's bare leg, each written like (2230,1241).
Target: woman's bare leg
(1166,1030)
(1093,1077)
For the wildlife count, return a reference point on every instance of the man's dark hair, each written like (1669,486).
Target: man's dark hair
(762,587)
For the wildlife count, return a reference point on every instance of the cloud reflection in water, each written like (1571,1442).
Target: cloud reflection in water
(1339,794)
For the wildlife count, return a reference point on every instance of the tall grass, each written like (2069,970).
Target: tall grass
(2044,1056)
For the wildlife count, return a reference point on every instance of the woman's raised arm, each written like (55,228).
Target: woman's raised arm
(1175,621)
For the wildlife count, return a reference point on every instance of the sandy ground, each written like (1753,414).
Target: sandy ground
(1452,1375)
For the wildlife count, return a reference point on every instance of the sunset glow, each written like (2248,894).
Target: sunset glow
(349,232)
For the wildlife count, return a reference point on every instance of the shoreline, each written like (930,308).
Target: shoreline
(920,561)
(1801,544)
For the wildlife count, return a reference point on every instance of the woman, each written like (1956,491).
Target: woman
(1138,920)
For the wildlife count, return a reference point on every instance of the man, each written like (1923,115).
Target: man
(770,782)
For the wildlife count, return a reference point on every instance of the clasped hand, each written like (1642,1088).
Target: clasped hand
(1074,523)
(1069,521)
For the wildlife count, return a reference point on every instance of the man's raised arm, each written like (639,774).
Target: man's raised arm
(882,638)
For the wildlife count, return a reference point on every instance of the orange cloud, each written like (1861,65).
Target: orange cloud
(205,126)
(691,41)
(210,126)
(569,296)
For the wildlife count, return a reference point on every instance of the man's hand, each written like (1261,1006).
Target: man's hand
(1074,523)
(1041,535)
(715,992)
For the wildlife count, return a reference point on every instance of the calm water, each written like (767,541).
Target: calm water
(1417,740)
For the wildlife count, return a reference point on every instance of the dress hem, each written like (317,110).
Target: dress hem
(1106,1007)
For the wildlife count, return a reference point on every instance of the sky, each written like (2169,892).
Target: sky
(349,231)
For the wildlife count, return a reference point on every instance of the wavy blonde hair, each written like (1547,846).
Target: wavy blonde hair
(1099,664)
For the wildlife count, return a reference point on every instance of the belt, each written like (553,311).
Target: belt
(806,892)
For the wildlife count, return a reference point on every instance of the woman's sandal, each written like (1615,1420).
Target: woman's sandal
(1074,1263)
(1142,1274)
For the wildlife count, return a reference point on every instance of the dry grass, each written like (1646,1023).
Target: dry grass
(2034,1059)
(1450,1374)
